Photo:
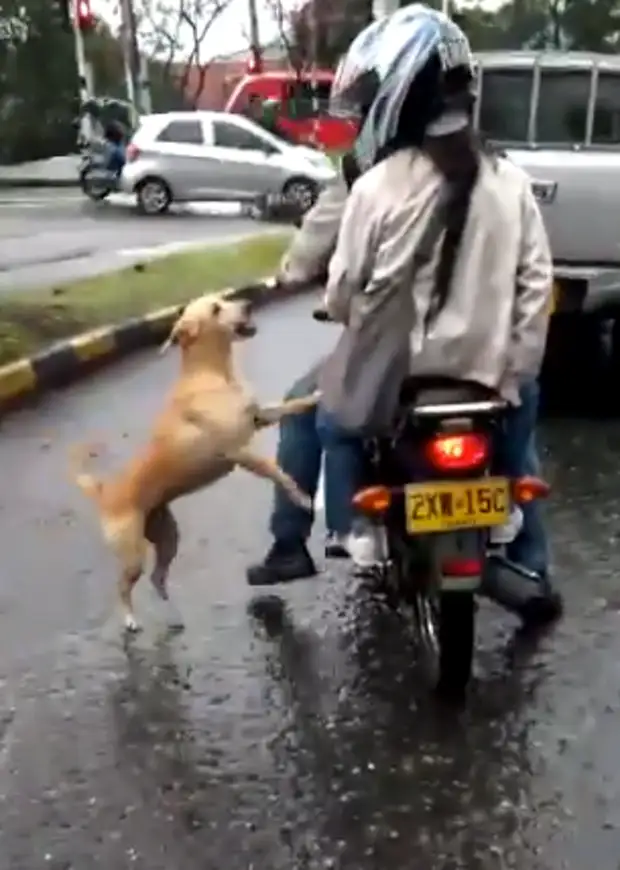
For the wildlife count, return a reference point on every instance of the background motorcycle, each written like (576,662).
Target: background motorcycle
(97,180)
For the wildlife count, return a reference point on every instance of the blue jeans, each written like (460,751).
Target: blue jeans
(115,156)
(299,454)
(518,456)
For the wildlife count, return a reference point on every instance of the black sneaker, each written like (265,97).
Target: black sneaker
(283,563)
(334,547)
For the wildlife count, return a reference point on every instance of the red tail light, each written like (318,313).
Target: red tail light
(462,567)
(457,452)
(133,152)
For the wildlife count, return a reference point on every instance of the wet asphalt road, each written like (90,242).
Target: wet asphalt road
(229,747)
(57,235)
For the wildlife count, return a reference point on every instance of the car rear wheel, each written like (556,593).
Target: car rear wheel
(301,192)
(154,196)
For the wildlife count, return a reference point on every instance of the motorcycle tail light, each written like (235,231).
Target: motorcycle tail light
(526,489)
(458,567)
(133,152)
(450,452)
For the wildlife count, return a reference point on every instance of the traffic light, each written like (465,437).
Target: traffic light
(83,14)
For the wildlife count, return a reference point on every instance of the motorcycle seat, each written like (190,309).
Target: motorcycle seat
(443,391)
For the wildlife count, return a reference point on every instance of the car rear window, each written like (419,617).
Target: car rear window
(186,132)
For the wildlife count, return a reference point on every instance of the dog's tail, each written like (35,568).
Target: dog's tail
(79,457)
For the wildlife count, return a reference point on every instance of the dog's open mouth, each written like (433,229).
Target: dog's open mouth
(245,330)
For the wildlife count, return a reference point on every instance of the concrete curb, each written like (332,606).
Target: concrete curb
(71,360)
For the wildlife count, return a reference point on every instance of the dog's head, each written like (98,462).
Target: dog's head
(207,317)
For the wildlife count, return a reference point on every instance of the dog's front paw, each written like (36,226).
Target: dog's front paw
(132,626)
(304,501)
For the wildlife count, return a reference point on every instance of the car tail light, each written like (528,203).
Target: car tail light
(450,452)
(374,500)
(461,567)
(526,489)
(133,152)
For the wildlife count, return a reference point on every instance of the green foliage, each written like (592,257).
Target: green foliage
(38,81)
(577,24)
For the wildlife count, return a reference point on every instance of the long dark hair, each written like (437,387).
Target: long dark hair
(457,156)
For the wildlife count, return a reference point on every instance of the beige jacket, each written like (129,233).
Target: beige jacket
(308,257)
(493,327)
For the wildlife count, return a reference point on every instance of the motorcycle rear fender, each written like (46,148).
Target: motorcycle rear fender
(448,549)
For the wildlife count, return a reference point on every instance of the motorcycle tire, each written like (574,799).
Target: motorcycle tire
(456,624)
(94,193)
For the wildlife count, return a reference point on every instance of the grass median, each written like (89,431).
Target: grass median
(31,320)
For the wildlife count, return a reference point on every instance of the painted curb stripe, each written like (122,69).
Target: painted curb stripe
(17,379)
(56,367)
(132,334)
(100,342)
(64,363)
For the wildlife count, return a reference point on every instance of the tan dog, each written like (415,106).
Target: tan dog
(203,432)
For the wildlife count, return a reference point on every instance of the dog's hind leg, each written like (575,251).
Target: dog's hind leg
(163,533)
(269,469)
(126,538)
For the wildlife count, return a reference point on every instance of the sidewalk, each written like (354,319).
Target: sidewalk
(54,172)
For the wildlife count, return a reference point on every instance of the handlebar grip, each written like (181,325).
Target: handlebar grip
(321,315)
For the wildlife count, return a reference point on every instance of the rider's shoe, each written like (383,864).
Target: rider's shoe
(534,601)
(336,546)
(366,547)
(285,562)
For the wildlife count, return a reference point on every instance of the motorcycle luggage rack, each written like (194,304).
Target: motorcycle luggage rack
(459,409)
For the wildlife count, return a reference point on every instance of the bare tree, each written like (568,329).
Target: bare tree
(293,34)
(173,32)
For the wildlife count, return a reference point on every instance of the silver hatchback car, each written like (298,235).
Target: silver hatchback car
(217,157)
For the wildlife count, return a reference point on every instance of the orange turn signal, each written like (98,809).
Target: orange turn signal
(526,489)
(372,500)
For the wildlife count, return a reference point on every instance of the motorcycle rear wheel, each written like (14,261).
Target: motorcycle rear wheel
(456,635)
(94,191)
(444,621)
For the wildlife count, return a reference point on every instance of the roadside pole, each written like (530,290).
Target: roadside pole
(84,74)
(136,67)
(255,46)
(314,52)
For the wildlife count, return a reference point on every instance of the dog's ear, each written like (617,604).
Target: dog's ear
(184,332)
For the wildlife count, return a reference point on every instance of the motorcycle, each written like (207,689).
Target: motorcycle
(444,518)
(97,180)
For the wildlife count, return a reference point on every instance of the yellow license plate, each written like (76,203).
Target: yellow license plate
(555,297)
(457,504)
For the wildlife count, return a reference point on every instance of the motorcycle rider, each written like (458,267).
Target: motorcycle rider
(423,46)
(115,137)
